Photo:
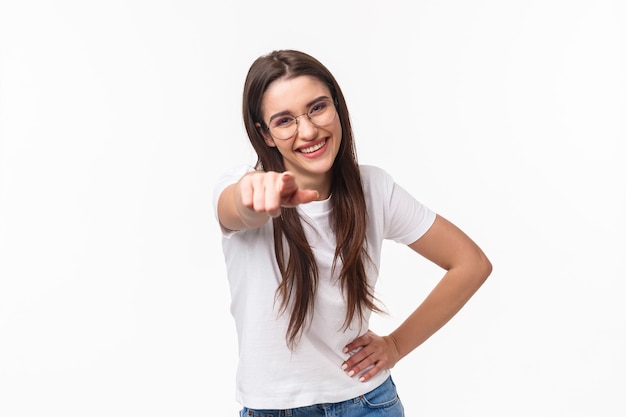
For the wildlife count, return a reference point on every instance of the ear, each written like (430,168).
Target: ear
(269,140)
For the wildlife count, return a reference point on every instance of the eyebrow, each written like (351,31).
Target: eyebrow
(308,105)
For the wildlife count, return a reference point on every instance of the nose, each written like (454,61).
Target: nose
(305,127)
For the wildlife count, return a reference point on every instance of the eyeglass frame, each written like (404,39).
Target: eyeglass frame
(334,102)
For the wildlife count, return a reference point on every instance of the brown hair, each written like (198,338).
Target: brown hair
(348,219)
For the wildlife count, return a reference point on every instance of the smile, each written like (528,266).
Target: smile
(313,148)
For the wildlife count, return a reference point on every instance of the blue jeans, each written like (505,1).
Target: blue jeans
(382,401)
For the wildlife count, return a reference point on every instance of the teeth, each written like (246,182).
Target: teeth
(312,148)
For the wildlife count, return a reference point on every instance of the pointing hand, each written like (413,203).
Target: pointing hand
(267,192)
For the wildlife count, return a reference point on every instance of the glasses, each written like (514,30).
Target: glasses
(284,126)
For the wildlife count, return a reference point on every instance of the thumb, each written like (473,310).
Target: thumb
(306,196)
(292,195)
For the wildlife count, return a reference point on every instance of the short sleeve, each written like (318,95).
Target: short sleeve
(407,219)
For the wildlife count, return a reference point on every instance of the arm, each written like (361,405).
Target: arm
(258,196)
(466,267)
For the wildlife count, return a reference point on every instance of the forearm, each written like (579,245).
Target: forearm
(445,300)
(467,268)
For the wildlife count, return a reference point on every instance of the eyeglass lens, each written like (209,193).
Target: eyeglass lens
(320,113)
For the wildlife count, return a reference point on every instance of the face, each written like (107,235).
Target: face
(310,153)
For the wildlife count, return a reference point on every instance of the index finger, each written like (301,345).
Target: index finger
(287,184)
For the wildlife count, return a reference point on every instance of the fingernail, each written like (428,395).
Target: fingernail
(361,379)
(344,366)
(351,373)
(345,350)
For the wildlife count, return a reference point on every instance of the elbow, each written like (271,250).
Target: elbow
(483,268)
(474,271)
(477,268)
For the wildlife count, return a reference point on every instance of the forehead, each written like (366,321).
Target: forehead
(292,94)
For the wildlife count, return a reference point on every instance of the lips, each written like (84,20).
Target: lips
(313,148)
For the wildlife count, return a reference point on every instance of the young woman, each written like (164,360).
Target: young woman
(302,239)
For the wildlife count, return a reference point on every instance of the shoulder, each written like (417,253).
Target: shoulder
(231,176)
(235,172)
(371,172)
(374,177)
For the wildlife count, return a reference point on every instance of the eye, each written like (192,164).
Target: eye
(283,121)
(318,107)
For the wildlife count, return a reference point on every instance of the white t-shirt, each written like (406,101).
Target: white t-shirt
(269,375)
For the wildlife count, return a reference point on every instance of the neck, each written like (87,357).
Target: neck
(321,184)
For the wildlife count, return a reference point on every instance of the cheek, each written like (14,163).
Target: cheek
(281,147)
(338,132)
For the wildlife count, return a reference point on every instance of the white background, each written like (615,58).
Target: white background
(507,117)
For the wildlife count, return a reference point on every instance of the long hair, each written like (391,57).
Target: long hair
(348,219)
